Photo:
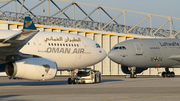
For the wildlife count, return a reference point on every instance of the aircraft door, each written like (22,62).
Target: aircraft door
(86,45)
(41,44)
(138,48)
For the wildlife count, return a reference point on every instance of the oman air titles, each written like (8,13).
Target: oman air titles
(65,50)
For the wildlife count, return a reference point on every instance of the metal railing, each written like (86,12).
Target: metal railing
(90,25)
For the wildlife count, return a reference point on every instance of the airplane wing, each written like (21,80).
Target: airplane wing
(14,43)
(17,41)
(175,57)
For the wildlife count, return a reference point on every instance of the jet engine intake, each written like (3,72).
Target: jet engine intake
(32,68)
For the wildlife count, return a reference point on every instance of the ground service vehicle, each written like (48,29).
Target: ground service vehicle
(88,75)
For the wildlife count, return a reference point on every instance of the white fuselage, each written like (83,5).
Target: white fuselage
(69,51)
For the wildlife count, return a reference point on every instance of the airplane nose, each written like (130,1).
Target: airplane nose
(112,55)
(103,54)
(99,55)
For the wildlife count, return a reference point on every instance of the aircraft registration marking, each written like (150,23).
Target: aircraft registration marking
(156,59)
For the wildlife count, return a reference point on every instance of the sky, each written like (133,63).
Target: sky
(160,7)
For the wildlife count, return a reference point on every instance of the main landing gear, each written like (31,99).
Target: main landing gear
(72,79)
(168,73)
(132,72)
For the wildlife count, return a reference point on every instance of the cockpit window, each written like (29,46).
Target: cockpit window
(120,47)
(123,47)
(116,48)
(97,45)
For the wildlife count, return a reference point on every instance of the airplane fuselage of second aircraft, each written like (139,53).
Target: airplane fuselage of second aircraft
(145,53)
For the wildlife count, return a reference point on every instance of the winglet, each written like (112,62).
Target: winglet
(28,23)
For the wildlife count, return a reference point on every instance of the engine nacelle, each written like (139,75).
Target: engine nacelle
(32,69)
(127,71)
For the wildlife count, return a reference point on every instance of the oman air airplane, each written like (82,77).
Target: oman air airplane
(137,55)
(35,55)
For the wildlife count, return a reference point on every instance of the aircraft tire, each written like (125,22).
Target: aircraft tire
(168,74)
(95,81)
(172,74)
(135,76)
(131,75)
(69,81)
(99,78)
(163,74)
(74,81)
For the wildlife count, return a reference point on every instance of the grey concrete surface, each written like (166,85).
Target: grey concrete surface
(112,88)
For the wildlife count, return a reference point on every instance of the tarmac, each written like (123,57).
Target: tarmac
(112,88)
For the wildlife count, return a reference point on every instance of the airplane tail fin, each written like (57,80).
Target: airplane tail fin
(28,24)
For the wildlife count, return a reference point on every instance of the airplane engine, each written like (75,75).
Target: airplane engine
(126,70)
(32,69)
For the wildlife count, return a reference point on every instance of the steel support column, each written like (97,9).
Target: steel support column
(33,8)
(25,8)
(83,11)
(43,9)
(112,19)
(88,15)
(21,8)
(137,24)
(59,9)
(125,31)
(160,27)
(108,15)
(62,11)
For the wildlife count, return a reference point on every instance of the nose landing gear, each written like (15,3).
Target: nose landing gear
(132,72)
(72,78)
(168,73)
